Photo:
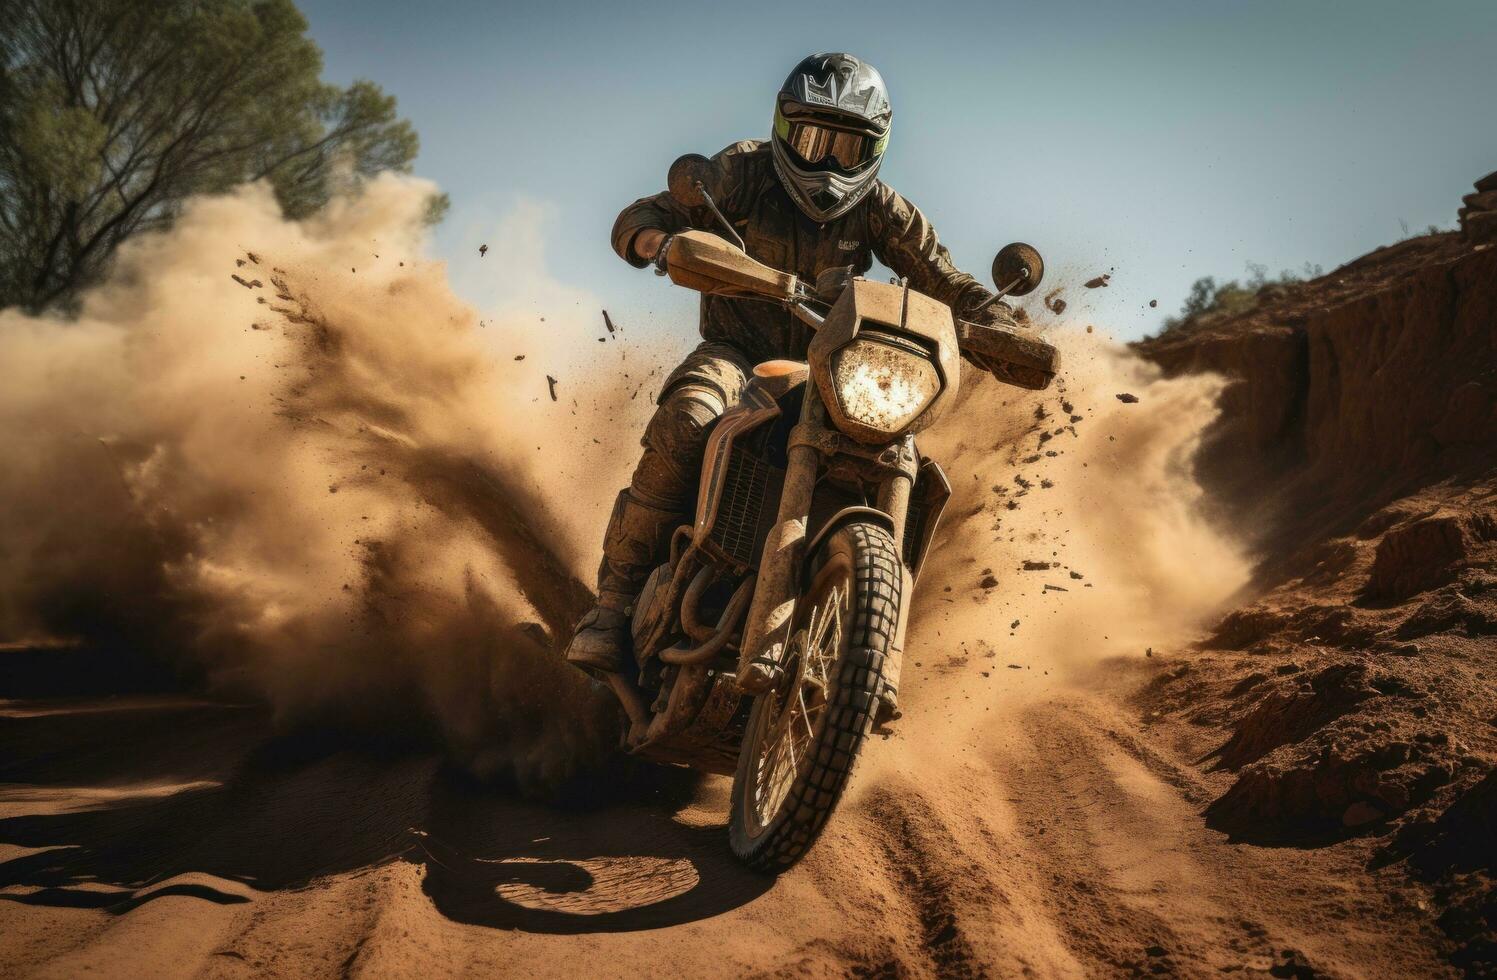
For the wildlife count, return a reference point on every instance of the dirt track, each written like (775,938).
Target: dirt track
(1014,826)
(1065,844)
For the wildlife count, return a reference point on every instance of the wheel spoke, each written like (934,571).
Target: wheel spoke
(789,732)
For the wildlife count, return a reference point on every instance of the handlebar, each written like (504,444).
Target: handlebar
(708,264)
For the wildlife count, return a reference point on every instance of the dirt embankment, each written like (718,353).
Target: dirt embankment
(1352,697)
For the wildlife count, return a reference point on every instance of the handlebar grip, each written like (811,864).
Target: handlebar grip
(1017,358)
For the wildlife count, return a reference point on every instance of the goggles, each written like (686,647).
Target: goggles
(817,144)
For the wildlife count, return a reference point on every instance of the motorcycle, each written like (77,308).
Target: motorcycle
(769,645)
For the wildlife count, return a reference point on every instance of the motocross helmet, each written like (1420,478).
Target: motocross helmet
(831,126)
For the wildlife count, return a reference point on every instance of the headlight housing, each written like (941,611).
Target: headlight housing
(883,383)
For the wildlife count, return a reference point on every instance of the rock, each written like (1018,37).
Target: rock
(1487,183)
(1037,566)
(1244,627)
(1310,791)
(1480,201)
(1128,399)
(1480,227)
(1291,714)
(1097,281)
(1417,557)
(1447,611)
(988,582)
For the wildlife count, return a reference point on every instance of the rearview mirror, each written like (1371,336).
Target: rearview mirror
(1017,268)
(685,177)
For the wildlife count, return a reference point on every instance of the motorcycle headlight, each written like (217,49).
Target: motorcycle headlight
(883,386)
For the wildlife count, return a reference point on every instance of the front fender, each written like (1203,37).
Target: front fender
(870,514)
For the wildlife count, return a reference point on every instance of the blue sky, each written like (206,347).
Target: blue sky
(1158,140)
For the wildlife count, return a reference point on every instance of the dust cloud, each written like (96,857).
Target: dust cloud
(286,456)
(1075,535)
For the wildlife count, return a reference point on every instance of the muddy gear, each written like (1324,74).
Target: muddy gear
(638,531)
(661,494)
(742,180)
(831,126)
(601,641)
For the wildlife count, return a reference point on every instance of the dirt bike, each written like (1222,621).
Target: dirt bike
(769,644)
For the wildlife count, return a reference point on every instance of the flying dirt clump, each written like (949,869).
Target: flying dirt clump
(317,486)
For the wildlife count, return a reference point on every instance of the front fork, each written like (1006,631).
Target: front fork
(771,615)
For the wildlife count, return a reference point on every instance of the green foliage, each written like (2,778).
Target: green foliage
(1209,300)
(114,112)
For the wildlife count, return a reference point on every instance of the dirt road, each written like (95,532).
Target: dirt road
(149,836)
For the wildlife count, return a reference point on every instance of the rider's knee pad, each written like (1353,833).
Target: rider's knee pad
(679,427)
(674,442)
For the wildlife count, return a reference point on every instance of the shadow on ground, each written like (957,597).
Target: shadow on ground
(110,801)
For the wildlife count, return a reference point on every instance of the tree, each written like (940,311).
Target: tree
(114,112)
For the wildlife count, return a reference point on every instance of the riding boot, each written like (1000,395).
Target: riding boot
(637,539)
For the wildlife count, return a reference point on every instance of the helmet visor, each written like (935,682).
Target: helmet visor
(819,145)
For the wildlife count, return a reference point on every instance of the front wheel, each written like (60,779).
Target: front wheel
(803,737)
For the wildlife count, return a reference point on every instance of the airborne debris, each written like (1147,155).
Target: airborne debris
(608,322)
(519,357)
(988,582)
(483,250)
(252,284)
(1037,566)
(1127,399)
(551,383)
(1054,588)
(1153,303)
(1101,280)
(1054,303)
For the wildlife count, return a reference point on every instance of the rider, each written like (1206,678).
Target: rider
(808,201)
